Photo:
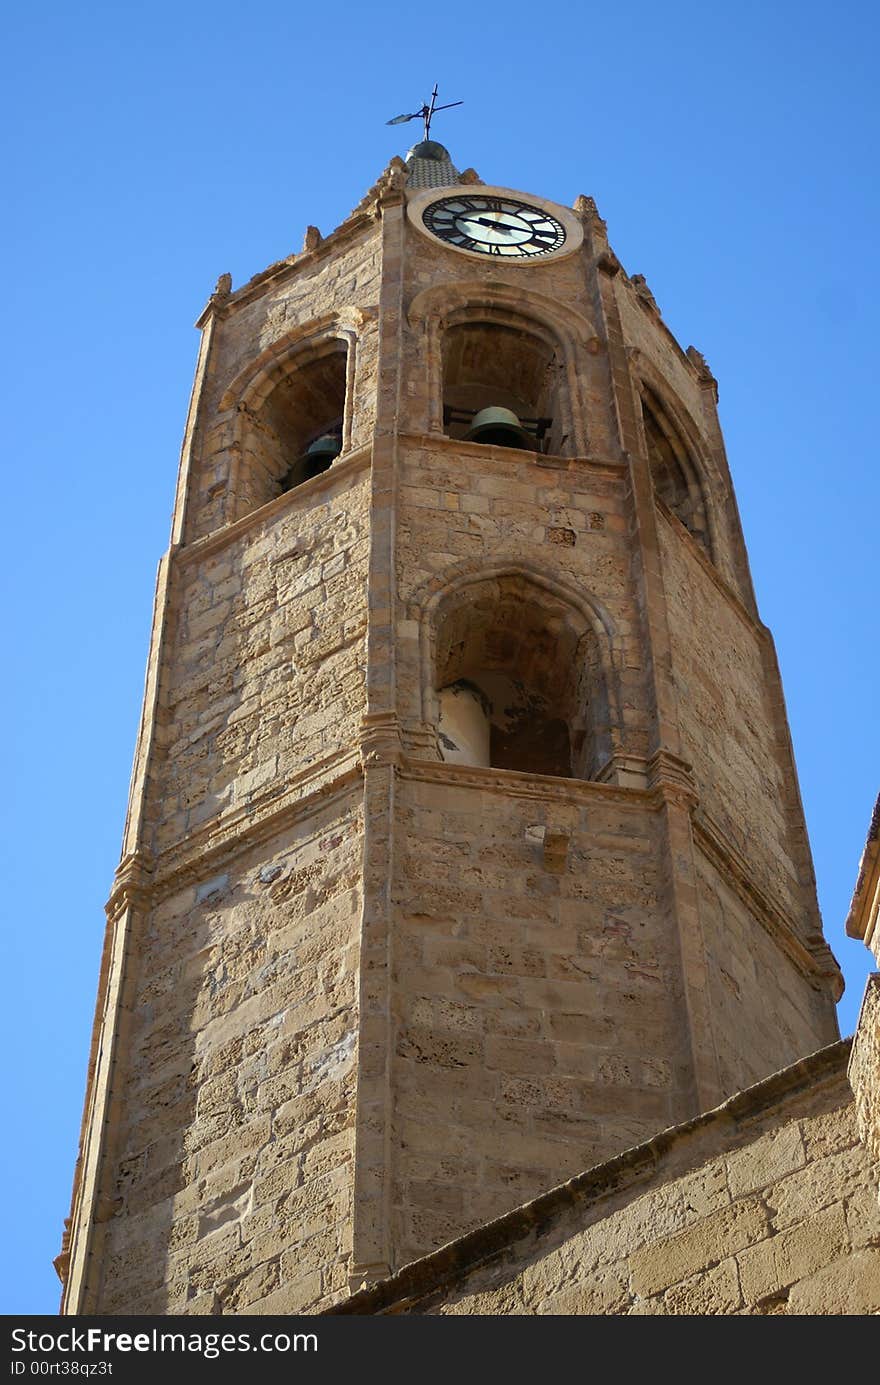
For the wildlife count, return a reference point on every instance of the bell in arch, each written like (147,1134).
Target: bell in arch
(501,427)
(318,455)
(316,459)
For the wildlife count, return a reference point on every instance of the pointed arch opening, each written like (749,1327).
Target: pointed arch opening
(674,473)
(519,680)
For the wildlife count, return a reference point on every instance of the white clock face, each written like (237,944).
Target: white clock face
(500,227)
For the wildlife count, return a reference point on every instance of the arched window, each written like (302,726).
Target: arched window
(296,429)
(673,472)
(519,681)
(491,364)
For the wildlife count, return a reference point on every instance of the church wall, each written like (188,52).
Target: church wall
(324,288)
(744,962)
(460,500)
(332,279)
(726,719)
(658,360)
(767,1206)
(644,330)
(264,674)
(536,1007)
(463,506)
(495,1093)
(785,1225)
(234,1158)
(429,265)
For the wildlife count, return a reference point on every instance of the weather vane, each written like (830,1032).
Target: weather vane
(426,113)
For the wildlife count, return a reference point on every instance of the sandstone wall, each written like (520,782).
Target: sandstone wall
(727,725)
(528,1004)
(331,288)
(264,658)
(537,1003)
(465,508)
(230,1166)
(747,960)
(657,360)
(767,1206)
(234,1155)
(557,294)
(525,1006)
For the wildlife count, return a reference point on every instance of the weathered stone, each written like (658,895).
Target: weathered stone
(765,1161)
(793,1255)
(701,1246)
(365,989)
(713,1293)
(650,1234)
(850,1285)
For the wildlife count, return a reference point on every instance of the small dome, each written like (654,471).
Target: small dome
(429,149)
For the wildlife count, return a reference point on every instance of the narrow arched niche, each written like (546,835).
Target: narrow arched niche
(674,474)
(306,403)
(519,681)
(491,363)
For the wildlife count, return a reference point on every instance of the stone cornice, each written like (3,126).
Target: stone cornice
(696,364)
(391,179)
(598,1190)
(671,777)
(141,879)
(440,443)
(381,739)
(702,371)
(131,884)
(812,957)
(665,777)
(514,784)
(344,466)
(226,836)
(388,190)
(216,304)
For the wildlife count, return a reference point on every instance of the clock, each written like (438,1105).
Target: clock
(495,223)
(501,226)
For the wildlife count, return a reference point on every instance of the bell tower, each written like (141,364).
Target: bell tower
(465,847)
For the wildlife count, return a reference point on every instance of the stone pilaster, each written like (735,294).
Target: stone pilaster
(372,1252)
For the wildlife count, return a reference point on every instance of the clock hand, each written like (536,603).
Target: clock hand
(506,228)
(495,225)
(484,221)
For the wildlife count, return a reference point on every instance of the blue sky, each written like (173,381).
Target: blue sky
(732,150)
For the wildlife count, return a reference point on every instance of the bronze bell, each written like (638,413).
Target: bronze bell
(501,427)
(316,459)
(319,454)
(322,451)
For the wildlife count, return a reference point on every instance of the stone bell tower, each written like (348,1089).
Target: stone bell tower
(465,846)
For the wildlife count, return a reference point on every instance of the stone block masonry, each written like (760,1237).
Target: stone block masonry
(539,1026)
(768,1205)
(358,1000)
(235,1151)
